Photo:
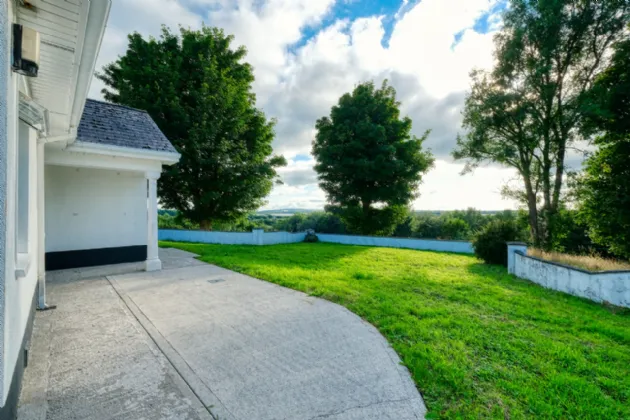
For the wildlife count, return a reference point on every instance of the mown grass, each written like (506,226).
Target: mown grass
(478,342)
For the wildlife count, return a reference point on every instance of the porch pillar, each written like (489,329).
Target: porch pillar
(153,262)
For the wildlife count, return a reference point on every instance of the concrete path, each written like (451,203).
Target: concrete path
(242,348)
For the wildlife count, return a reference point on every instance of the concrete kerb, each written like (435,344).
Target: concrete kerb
(211,406)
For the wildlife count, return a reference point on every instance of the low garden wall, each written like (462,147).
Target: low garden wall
(463,247)
(605,286)
(255,237)
(260,237)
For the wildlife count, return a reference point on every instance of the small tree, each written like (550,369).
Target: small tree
(368,163)
(198,90)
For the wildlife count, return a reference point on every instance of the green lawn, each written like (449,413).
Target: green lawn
(478,342)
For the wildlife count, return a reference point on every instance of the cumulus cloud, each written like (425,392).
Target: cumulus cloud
(432,46)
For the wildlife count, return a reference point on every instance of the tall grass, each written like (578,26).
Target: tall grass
(585,262)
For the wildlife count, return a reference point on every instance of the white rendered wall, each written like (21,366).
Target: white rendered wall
(94,208)
(18,292)
(612,287)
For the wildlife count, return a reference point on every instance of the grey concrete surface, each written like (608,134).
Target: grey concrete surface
(195,341)
(91,359)
(254,350)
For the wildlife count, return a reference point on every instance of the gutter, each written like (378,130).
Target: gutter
(96,23)
(167,158)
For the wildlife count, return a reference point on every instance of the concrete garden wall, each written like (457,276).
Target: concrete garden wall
(256,237)
(463,247)
(259,237)
(606,286)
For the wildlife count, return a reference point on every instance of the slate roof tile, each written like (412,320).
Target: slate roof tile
(118,125)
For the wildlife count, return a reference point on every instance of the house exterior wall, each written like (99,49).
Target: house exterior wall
(4,70)
(17,292)
(94,216)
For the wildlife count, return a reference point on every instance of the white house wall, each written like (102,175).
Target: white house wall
(19,291)
(94,209)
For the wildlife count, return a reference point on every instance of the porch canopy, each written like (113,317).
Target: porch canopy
(101,189)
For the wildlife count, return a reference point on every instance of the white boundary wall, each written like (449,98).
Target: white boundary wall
(260,237)
(606,286)
(463,247)
(255,237)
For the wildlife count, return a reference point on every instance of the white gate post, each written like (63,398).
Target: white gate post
(514,247)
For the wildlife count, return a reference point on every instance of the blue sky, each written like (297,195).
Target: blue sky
(307,53)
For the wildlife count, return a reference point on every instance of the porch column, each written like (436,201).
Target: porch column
(153,262)
(41,232)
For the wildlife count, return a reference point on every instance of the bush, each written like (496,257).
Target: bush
(490,242)
(310,236)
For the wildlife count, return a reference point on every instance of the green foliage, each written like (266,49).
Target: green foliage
(368,163)
(320,222)
(197,88)
(455,228)
(174,220)
(490,243)
(604,197)
(311,237)
(525,113)
(603,190)
(478,342)
(607,104)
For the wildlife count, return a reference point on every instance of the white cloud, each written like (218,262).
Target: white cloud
(298,84)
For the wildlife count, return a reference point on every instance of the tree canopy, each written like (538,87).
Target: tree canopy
(526,112)
(197,88)
(368,163)
(603,190)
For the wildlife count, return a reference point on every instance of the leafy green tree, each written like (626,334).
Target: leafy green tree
(406,228)
(525,113)
(604,197)
(429,226)
(197,88)
(455,228)
(603,190)
(368,163)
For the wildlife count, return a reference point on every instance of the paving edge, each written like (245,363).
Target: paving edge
(212,404)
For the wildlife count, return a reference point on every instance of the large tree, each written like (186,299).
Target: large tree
(525,113)
(368,163)
(603,189)
(197,88)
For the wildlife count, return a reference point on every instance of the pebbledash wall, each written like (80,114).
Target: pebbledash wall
(606,286)
(259,237)
(94,217)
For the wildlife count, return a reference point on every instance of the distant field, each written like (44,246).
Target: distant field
(478,342)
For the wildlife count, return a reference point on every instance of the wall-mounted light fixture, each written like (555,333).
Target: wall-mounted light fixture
(25,50)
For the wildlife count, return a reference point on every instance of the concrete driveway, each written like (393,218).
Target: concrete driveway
(197,341)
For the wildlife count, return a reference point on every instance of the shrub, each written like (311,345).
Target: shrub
(454,228)
(310,236)
(490,242)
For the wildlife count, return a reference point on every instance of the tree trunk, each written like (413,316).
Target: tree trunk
(206,225)
(533,212)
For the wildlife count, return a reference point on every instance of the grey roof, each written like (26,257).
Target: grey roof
(118,125)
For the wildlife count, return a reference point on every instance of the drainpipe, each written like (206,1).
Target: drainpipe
(41,235)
